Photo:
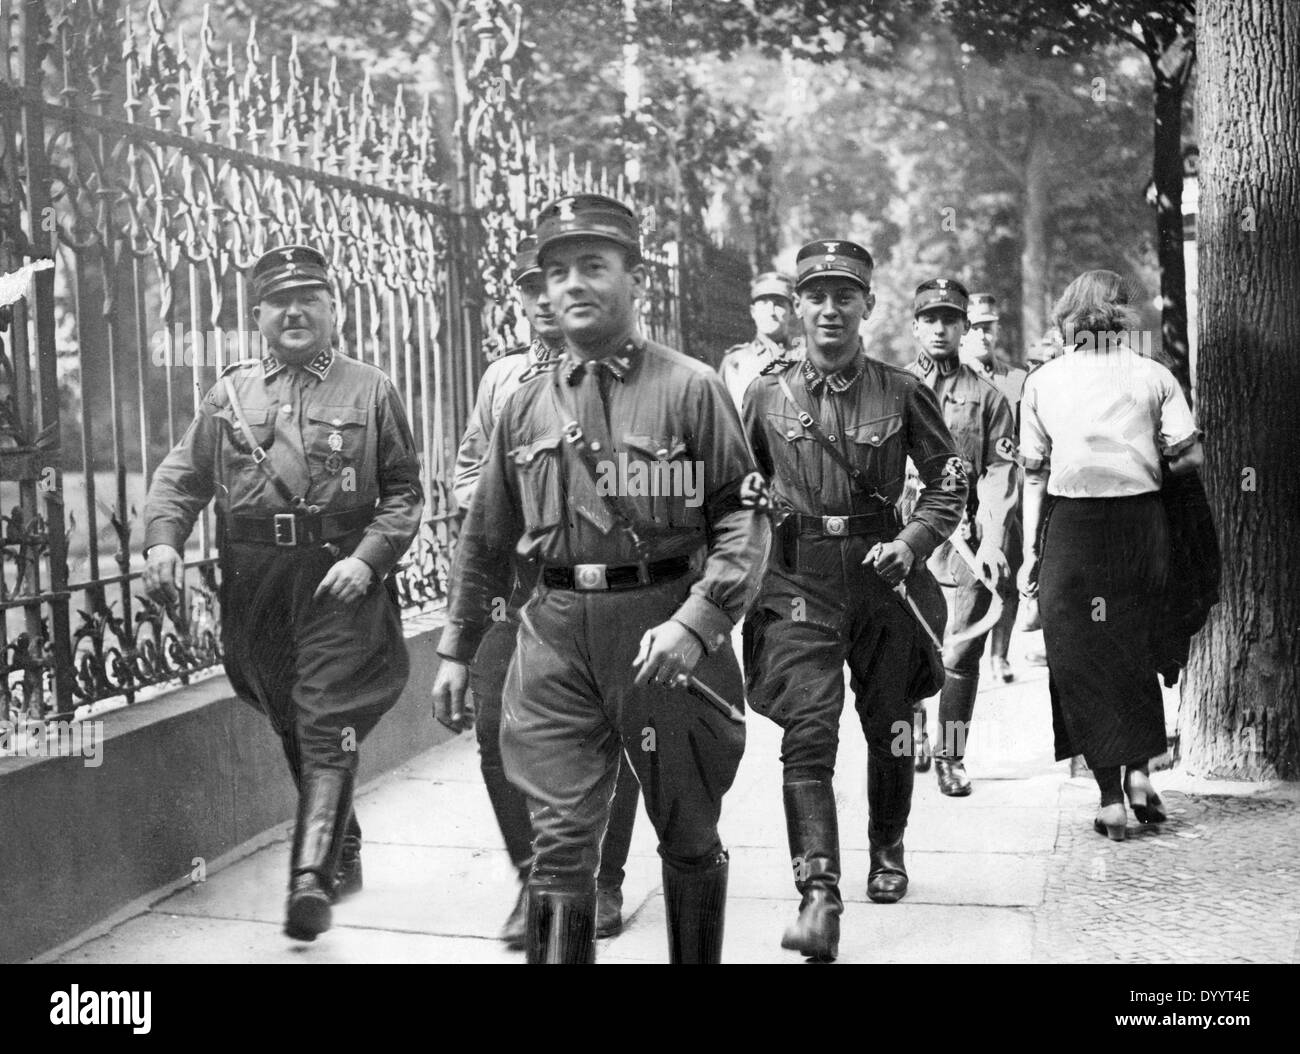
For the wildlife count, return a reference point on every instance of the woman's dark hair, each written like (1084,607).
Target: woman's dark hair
(1097,302)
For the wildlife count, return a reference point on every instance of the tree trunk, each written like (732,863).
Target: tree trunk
(1241,702)
(1035,297)
(1167,163)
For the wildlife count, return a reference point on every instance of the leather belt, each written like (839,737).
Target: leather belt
(597,578)
(290,530)
(842,526)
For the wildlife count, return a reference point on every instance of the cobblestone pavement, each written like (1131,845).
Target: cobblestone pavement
(1219,882)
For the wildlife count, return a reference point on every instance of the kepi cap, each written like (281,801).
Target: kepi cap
(288,267)
(525,260)
(826,259)
(940,292)
(983,308)
(771,283)
(587,216)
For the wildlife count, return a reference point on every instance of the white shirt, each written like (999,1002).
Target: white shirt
(1099,420)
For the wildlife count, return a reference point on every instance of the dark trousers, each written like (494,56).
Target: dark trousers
(971,602)
(322,671)
(570,712)
(487,679)
(803,631)
(1000,637)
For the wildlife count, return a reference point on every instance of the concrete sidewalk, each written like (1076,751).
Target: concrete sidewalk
(1014,873)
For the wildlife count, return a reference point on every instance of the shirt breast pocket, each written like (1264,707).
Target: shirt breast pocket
(961,413)
(661,479)
(261,422)
(335,436)
(537,467)
(881,451)
(793,448)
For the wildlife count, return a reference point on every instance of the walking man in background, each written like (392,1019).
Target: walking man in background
(771,302)
(983,429)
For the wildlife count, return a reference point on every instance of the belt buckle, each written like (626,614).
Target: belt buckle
(590,577)
(286,529)
(835,525)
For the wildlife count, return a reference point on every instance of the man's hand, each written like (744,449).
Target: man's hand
(892,561)
(992,564)
(449,691)
(1027,580)
(162,574)
(669,652)
(347,580)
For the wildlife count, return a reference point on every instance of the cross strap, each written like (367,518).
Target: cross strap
(259,454)
(855,474)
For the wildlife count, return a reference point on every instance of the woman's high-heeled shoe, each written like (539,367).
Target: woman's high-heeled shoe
(1146,803)
(1111,821)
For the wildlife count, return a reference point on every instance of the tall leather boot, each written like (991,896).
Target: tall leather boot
(324,804)
(813,828)
(889,802)
(956,704)
(515,930)
(614,849)
(696,901)
(349,877)
(561,926)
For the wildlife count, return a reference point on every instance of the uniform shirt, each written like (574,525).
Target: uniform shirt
(881,415)
(667,414)
(741,363)
(1100,419)
(500,379)
(984,431)
(1009,380)
(333,430)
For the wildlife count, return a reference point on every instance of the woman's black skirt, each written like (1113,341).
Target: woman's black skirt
(1100,581)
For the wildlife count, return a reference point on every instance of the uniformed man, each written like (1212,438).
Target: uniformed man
(833,434)
(982,426)
(318,494)
(1009,379)
(771,300)
(488,674)
(617,474)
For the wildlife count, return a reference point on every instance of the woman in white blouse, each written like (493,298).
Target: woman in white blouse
(1095,425)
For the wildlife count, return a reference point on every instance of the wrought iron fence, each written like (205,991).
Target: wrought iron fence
(153,175)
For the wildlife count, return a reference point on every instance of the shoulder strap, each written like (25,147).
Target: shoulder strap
(811,423)
(259,454)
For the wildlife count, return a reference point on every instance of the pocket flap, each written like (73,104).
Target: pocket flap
(337,415)
(254,415)
(655,449)
(528,452)
(876,431)
(787,425)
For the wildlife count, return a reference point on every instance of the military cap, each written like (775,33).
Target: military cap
(288,267)
(525,260)
(587,216)
(771,283)
(824,259)
(983,308)
(940,292)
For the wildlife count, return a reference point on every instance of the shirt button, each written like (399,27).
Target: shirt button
(875,439)
(595,447)
(791,434)
(831,437)
(661,453)
(286,408)
(337,421)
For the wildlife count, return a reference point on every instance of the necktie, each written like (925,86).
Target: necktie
(589,407)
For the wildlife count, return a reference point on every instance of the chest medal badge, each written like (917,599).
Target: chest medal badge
(334,463)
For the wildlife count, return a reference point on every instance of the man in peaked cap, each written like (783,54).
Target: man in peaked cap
(488,674)
(317,484)
(1009,379)
(833,434)
(624,646)
(983,428)
(771,305)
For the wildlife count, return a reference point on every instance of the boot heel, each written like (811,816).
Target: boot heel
(1111,822)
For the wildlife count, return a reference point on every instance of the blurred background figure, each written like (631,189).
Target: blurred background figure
(1096,423)
(771,300)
